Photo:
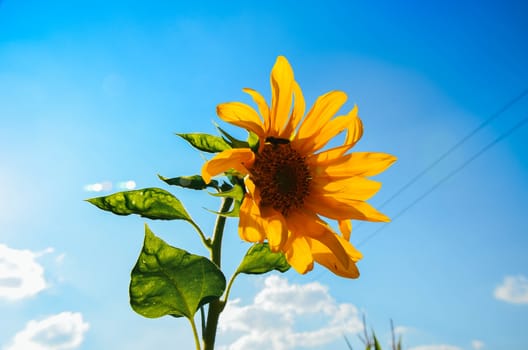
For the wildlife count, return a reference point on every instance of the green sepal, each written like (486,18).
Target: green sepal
(195,182)
(233,213)
(236,192)
(233,141)
(152,203)
(260,259)
(206,142)
(170,281)
(253,141)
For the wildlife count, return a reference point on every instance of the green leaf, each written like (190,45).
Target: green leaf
(206,142)
(152,203)
(260,259)
(195,182)
(170,281)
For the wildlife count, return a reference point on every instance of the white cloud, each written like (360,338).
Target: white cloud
(477,344)
(514,289)
(436,347)
(59,259)
(401,330)
(127,185)
(98,187)
(269,322)
(106,186)
(21,276)
(63,331)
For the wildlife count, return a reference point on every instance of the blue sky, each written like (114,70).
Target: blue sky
(93,92)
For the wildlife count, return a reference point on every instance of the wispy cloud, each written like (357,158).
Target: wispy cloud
(106,186)
(436,347)
(64,331)
(21,276)
(273,319)
(477,344)
(98,187)
(401,330)
(514,289)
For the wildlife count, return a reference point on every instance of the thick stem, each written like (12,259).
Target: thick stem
(216,306)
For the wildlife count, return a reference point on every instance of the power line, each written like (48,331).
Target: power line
(417,177)
(503,109)
(493,116)
(448,176)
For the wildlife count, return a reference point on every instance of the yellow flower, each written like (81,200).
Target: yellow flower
(291,181)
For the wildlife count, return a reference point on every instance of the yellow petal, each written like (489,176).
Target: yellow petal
(354,164)
(242,115)
(298,254)
(238,158)
(355,187)
(322,111)
(325,134)
(275,227)
(306,223)
(326,157)
(330,242)
(345,226)
(325,256)
(250,226)
(354,133)
(281,95)
(262,106)
(299,107)
(355,128)
(252,190)
(342,208)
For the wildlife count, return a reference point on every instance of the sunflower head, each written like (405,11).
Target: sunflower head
(292,180)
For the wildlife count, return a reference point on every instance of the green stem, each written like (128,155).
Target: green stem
(195,334)
(202,318)
(206,241)
(216,306)
(229,287)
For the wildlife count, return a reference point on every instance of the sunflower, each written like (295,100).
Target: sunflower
(292,180)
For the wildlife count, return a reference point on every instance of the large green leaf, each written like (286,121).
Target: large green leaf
(260,259)
(170,281)
(195,182)
(206,142)
(152,203)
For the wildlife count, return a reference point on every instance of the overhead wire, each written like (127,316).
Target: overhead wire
(500,111)
(505,107)
(447,177)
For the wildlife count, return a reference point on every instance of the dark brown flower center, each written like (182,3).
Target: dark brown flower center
(281,175)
